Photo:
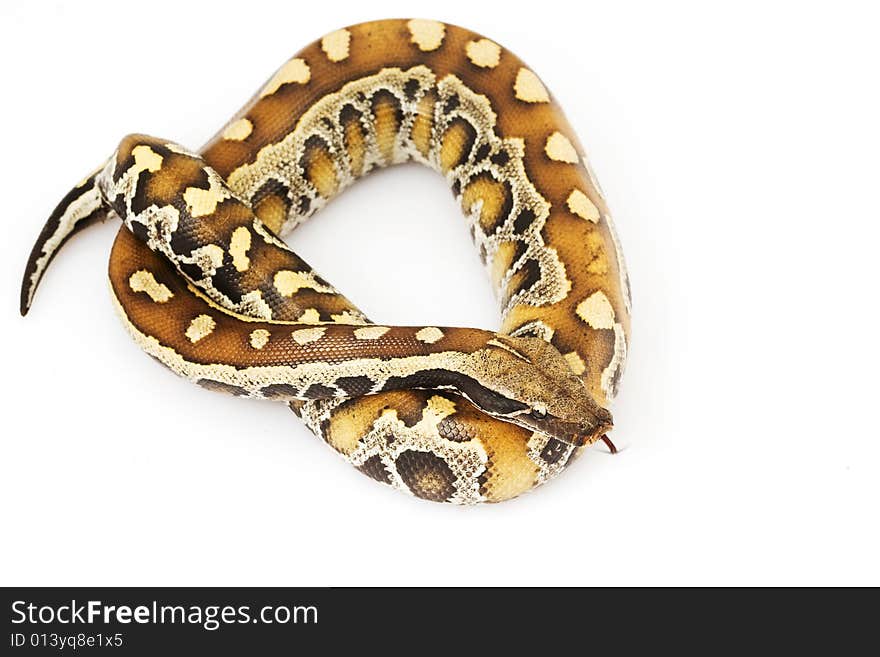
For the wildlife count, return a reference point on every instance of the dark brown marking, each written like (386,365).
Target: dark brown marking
(554,450)
(451,104)
(411,88)
(375,469)
(500,158)
(279,391)
(427,475)
(409,410)
(319,391)
(355,386)
(523,220)
(453,429)
(218,386)
(437,378)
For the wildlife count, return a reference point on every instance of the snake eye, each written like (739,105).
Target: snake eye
(538,413)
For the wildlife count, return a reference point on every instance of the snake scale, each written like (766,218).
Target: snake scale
(204,284)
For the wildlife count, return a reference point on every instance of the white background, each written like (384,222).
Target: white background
(737,145)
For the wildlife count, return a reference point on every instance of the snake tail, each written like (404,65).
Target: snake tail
(81,207)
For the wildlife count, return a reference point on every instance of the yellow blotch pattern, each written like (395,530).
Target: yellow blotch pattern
(483,53)
(238,130)
(296,70)
(427,35)
(596,311)
(582,206)
(529,88)
(200,328)
(336,44)
(144,281)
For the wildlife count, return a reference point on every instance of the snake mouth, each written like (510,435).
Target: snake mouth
(594,435)
(594,430)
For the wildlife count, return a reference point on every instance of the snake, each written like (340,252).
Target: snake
(205,285)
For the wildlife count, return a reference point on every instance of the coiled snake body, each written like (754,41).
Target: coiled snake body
(460,415)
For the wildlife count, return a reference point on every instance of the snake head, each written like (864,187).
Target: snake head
(549,397)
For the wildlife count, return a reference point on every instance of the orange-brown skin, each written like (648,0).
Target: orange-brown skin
(589,324)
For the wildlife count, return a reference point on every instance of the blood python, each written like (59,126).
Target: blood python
(204,284)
